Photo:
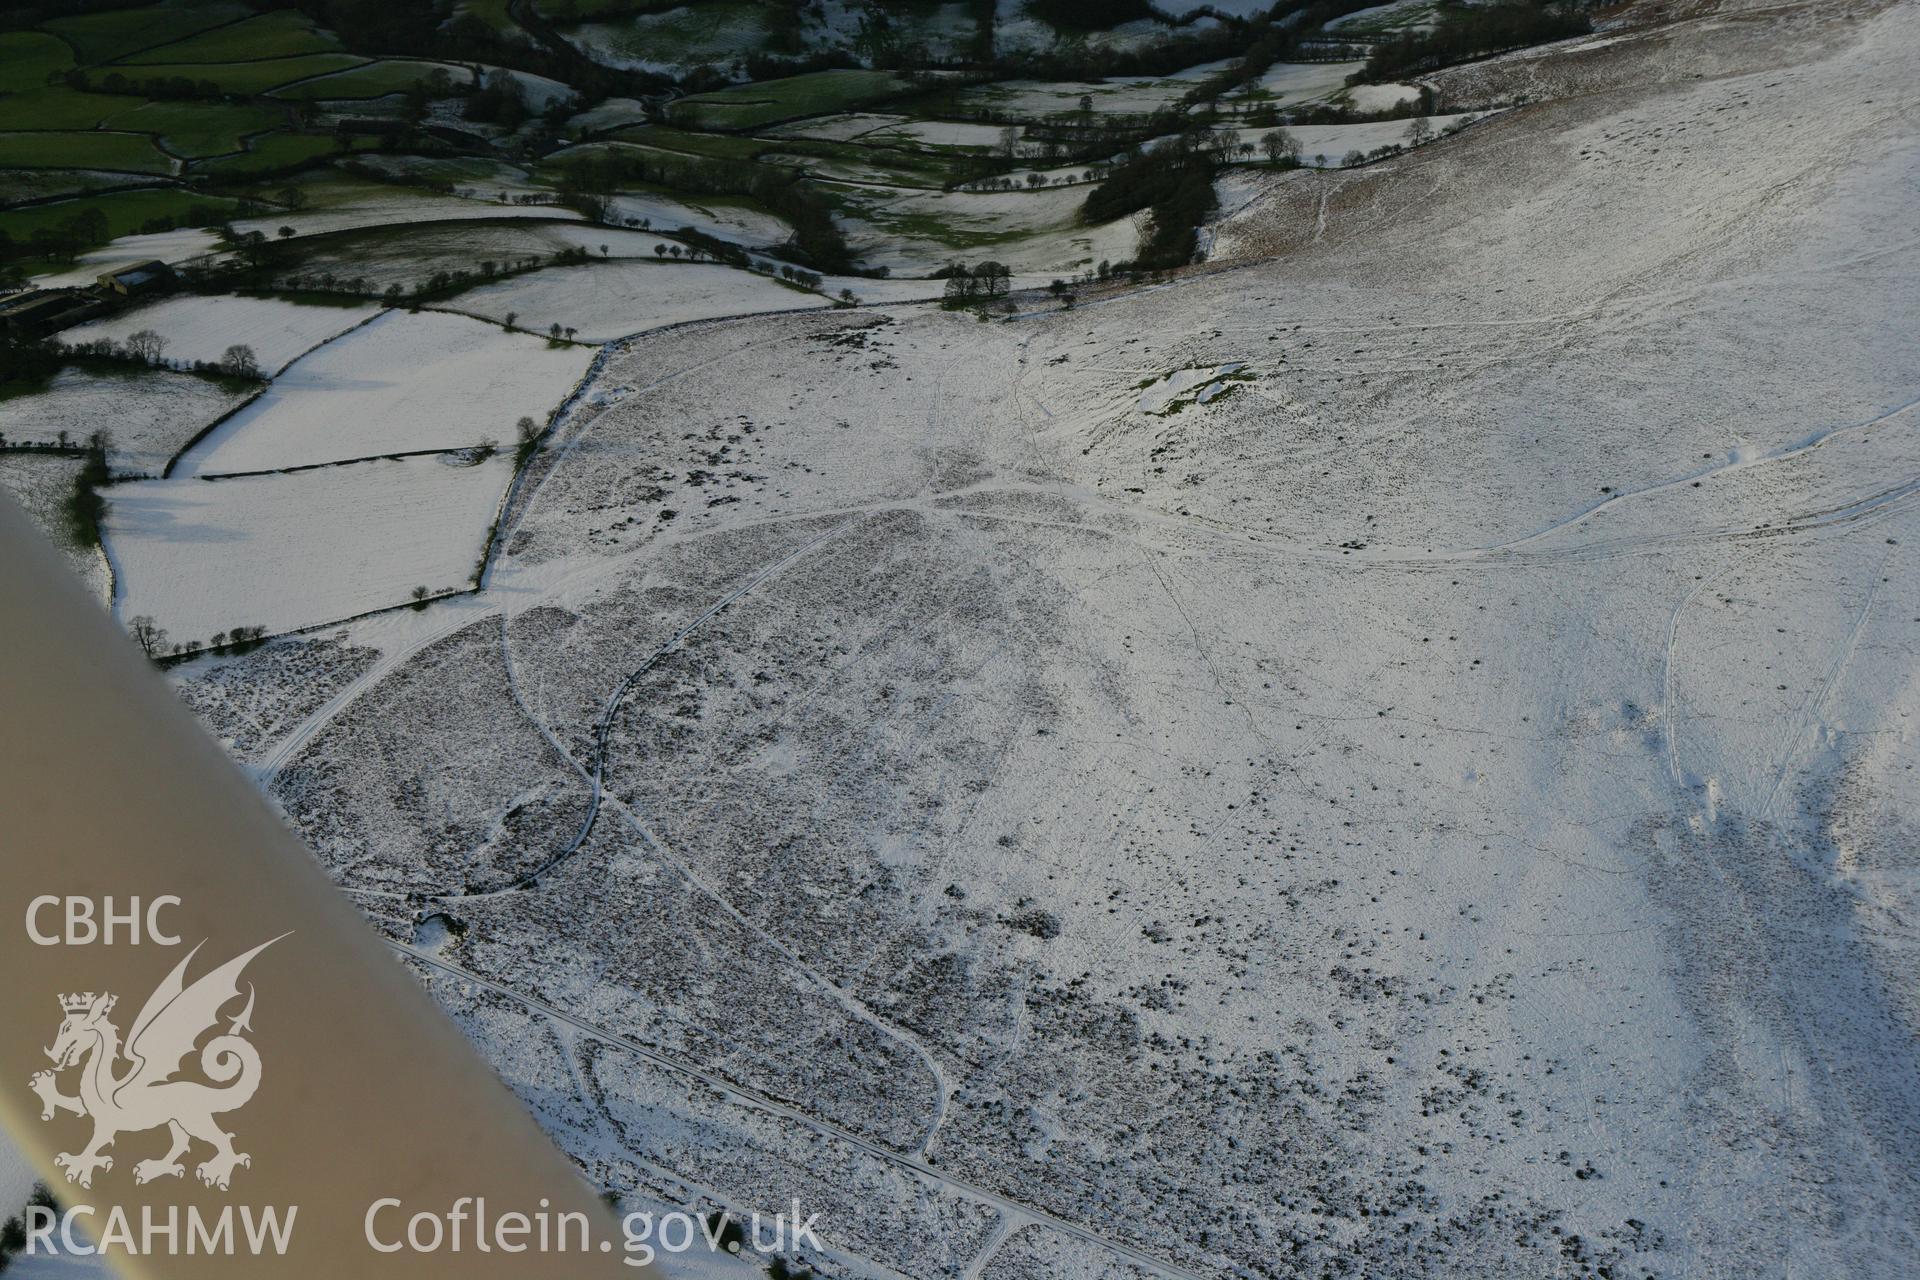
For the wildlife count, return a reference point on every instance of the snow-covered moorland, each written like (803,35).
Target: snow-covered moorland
(1384,756)
(1387,752)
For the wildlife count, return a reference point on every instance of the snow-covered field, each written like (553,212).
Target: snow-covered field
(606,300)
(401,383)
(1326,145)
(614,113)
(394,206)
(1116,95)
(197,328)
(411,256)
(934,133)
(837,128)
(1292,82)
(1037,232)
(739,224)
(287,551)
(1381,97)
(148,416)
(472,178)
(895,289)
(541,92)
(603,242)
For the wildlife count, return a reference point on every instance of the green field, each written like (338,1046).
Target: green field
(326,187)
(124,151)
(276,151)
(257,77)
(184,128)
(280,34)
(102,37)
(713,146)
(753,106)
(549,168)
(27,58)
(193,129)
(126,211)
(59,107)
(374,80)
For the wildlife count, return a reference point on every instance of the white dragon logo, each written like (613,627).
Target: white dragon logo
(145,1095)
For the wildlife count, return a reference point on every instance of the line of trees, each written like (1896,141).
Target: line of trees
(970,286)
(85,508)
(162,88)
(147,348)
(158,647)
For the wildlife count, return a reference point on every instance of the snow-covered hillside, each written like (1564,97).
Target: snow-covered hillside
(1390,753)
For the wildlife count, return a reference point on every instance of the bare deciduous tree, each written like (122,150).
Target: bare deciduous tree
(151,638)
(146,345)
(239,361)
(1280,145)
